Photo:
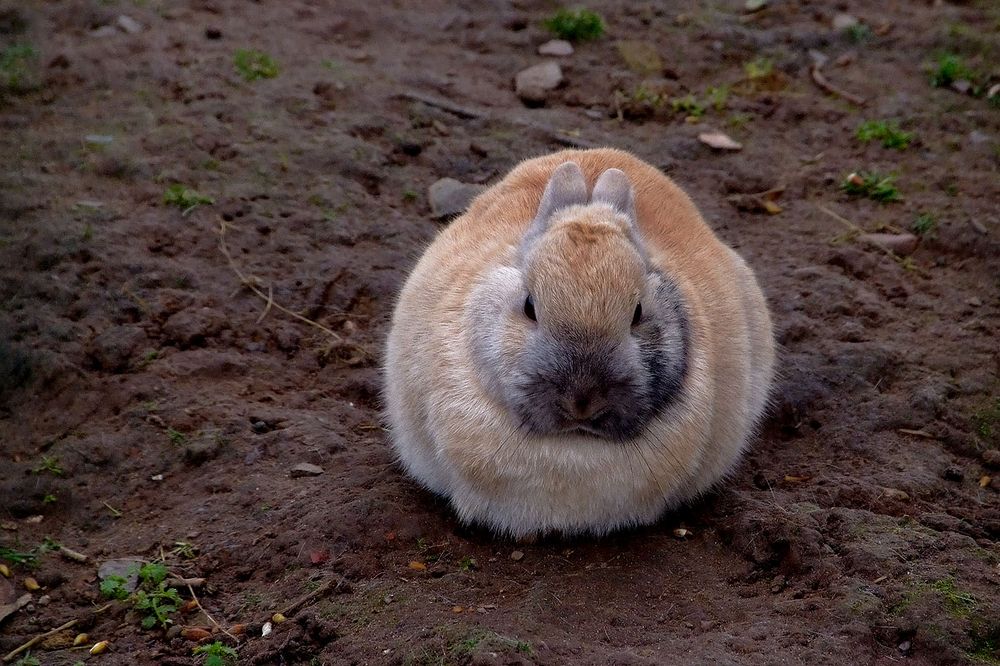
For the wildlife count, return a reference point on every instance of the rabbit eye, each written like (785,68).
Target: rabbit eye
(638,314)
(529,308)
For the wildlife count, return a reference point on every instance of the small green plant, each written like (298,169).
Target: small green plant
(949,69)
(216,654)
(409,195)
(114,587)
(467,563)
(176,437)
(924,225)
(27,559)
(717,97)
(688,105)
(184,198)
(185,549)
(872,185)
(153,597)
(886,131)
(759,68)
(575,26)
(49,499)
(858,33)
(27,660)
(15,63)
(253,65)
(49,464)
(956,602)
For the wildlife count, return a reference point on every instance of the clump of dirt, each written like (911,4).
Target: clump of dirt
(156,391)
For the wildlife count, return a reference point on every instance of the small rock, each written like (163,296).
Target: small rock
(844,21)
(44,600)
(754,5)
(305,469)
(127,568)
(450,197)
(991,458)
(260,427)
(517,555)
(639,56)
(975,302)
(901,244)
(191,327)
(818,57)
(556,47)
(104,31)
(99,139)
(904,647)
(129,24)
(719,141)
(174,631)
(977,138)
(533,85)
(202,448)
(114,348)
(896,494)
(953,473)
(961,86)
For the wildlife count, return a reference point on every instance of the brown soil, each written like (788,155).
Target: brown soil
(129,349)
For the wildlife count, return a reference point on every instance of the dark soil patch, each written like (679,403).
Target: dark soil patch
(860,529)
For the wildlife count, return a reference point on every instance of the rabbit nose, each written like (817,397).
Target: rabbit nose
(585,404)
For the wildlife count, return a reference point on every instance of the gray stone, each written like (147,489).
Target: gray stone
(114,348)
(844,21)
(534,84)
(203,447)
(556,47)
(450,197)
(129,24)
(126,567)
(305,469)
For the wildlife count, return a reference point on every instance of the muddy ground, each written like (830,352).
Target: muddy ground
(862,527)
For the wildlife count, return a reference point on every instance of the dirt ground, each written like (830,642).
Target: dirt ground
(148,398)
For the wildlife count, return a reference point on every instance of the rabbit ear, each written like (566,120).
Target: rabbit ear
(566,187)
(613,188)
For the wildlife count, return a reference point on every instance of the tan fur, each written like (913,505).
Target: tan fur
(447,430)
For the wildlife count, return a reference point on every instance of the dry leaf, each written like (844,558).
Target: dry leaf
(985,481)
(719,141)
(771,207)
(99,647)
(195,634)
(31,584)
(418,566)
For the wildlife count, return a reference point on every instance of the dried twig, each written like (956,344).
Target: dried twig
(820,80)
(905,263)
(250,283)
(210,618)
(443,104)
(322,589)
(72,554)
(27,646)
(177,581)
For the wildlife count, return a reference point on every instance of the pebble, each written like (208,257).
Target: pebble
(449,197)
(991,458)
(953,473)
(818,57)
(305,469)
(204,447)
(977,138)
(129,24)
(639,56)
(556,47)
(104,31)
(100,139)
(517,555)
(534,84)
(719,141)
(127,568)
(901,244)
(844,21)
(896,494)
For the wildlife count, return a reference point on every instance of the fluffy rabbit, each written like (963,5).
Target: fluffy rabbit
(569,362)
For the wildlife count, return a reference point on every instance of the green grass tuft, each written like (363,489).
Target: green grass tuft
(924,225)
(949,69)
(886,131)
(575,26)
(184,198)
(216,654)
(873,185)
(15,67)
(253,65)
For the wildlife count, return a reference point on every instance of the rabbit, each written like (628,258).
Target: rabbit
(577,353)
